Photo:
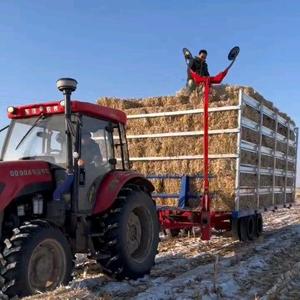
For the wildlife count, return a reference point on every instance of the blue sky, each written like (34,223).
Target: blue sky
(133,48)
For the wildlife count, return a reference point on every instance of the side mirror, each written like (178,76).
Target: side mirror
(233,53)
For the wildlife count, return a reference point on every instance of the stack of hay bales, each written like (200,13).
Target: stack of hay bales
(223,184)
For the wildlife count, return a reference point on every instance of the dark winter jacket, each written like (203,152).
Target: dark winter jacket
(199,66)
(90,153)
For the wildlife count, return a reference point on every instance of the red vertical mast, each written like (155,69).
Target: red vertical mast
(207,83)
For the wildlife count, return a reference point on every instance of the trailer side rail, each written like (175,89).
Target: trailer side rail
(242,145)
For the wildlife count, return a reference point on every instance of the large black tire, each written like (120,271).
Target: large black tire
(242,229)
(247,228)
(251,227)
(129,234)
(37,258)
(259,224)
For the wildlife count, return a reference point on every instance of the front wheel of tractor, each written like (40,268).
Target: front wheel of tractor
(36,258)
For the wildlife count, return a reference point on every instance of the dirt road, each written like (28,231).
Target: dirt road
(188,268)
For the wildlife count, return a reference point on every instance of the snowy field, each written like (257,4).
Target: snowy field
(188,268)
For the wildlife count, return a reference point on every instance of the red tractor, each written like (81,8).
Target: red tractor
(66,188)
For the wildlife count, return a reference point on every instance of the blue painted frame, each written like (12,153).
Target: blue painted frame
(184,193)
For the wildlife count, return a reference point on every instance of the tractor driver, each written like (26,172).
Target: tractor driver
(90,152)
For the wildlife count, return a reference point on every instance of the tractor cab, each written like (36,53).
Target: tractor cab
(97,143)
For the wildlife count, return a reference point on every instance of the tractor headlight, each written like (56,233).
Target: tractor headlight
(11,110)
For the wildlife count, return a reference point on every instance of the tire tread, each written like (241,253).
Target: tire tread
(107,247)
(11,274)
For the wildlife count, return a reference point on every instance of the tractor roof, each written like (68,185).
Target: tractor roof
(52,108)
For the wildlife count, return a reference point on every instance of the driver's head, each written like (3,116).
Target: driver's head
(202,54)
(60,138)
(86,137)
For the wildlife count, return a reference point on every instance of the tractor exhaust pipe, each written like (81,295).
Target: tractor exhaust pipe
(67,86)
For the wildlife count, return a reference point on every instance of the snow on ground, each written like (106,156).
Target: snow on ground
(188,268)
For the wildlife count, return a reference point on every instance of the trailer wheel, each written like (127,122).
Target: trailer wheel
(259,224)
(37,258)
(129,235)
(242,229)
(251,227)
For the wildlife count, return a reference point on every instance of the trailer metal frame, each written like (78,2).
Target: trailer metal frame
(242,145)
(239,219)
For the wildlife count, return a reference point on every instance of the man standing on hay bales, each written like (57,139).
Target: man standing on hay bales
(197,64)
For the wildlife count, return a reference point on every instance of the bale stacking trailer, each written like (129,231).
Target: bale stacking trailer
(265,173)
(252,152)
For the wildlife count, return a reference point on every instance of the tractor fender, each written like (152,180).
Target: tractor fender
(113,183)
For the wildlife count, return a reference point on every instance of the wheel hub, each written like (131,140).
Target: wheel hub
(43,263)
(134,232)
(47,266)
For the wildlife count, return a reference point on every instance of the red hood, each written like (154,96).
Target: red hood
(17,175)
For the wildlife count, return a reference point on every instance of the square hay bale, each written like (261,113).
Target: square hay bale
(243,126)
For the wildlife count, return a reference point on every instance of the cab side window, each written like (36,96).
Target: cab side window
(120,144)
(96,143)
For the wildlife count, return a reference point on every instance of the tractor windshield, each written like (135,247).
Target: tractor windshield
(36,138)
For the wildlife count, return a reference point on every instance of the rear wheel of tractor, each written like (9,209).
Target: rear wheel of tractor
(37,258)
(259,225)
(129,235)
